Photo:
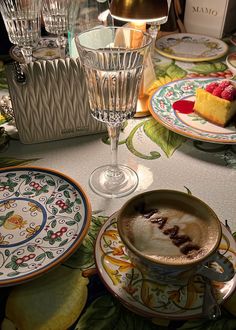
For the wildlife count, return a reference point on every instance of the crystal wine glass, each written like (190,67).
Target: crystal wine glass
(22,19)
(55,16)
(113,60)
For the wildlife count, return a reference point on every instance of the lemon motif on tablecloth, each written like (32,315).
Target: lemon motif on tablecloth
(53,301)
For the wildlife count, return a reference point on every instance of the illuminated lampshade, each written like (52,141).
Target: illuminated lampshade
(138,13)
(141,10)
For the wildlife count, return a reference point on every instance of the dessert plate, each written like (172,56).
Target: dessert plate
(191,47)
(44,216)
(184,122)
(46,49)
(147,297)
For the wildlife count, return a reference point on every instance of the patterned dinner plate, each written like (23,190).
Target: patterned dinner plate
(191,47)
(174,116)
(44,216)
(46,49)
(145,296)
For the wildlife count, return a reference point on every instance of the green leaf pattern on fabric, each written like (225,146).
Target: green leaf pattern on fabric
(11,161)
(106,313)
(167,140)
(207,67)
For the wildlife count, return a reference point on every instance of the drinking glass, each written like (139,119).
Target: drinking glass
(113,60)
(55,16)
(22,19)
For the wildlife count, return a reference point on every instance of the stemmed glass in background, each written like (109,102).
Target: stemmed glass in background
(22,19)
(55,16)
(113,60)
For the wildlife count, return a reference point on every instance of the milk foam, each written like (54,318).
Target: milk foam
(149,239)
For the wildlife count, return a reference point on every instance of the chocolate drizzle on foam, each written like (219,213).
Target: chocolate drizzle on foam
(184,242)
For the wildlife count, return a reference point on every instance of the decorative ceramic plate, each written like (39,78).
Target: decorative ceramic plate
(191,47)
(46,49)
(44,216)
(231,62)
(163,106)
(145,296)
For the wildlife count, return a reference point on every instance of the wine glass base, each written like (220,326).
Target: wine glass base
(104,183)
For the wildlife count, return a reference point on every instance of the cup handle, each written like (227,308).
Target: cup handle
(211,273)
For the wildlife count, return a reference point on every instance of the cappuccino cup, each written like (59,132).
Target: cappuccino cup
(171,236)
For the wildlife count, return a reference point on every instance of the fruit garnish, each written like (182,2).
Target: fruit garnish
(217,91)
(211,87)
(228,93)
(225,90)
(225,84)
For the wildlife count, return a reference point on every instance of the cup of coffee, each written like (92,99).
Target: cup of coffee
(170,235)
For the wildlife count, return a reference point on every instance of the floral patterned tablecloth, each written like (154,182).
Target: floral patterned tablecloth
(73,296)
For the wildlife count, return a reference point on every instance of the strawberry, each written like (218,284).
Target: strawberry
(229,93)
(210,87)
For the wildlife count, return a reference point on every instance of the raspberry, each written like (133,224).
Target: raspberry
(229,93)
(210,87)
(225,84)
(217,91)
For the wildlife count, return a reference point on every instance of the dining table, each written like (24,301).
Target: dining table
(96,286)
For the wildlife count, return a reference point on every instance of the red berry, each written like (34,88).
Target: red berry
(58,233)
(63,229)
(210,87)
(64,207)
(53,236)
(225,83)
(217,91)
(229,93)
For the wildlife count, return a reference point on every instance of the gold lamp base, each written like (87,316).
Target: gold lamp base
(142,107)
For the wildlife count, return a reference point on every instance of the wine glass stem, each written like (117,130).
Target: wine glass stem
(27,54)
(114,133)
(61,42)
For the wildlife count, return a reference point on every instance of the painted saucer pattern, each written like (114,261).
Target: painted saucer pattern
(145,296)
(191,47)
(190,125)
(46,49)
(43,218)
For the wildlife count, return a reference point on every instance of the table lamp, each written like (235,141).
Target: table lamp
(138,13)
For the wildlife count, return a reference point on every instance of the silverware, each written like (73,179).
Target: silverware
(211,308)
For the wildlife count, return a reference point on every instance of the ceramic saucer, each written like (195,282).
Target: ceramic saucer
(191,47)
(44,216)
(145,296)
(46,49)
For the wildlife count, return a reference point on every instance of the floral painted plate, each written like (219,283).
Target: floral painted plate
(191,47)
(44,216)
(46,49)
(187,123)
(145,296)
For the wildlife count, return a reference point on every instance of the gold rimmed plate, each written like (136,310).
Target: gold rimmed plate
(191,47)
(145,296)
(44,216)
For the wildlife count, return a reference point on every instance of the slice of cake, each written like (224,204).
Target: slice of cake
(217,102)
